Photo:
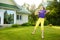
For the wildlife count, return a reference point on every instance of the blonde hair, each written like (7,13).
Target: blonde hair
(40,6)
(38,9)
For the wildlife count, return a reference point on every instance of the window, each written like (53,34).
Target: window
(19,17)
(9,17)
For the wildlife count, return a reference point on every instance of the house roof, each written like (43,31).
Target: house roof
(13,7)
(24,10)
(7,6)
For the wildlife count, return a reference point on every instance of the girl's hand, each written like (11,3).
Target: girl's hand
(47,11)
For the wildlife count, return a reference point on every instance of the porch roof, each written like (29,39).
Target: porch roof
(24,10)
(13,7)
(7,6)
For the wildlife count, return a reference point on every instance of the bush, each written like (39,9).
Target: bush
(15,25)
(25,24)
(46,22)
(28,24)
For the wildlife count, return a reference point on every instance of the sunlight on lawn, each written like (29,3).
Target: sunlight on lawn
(56,27)
(24,33)
(12,30)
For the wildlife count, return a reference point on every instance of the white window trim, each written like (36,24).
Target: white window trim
(19,17)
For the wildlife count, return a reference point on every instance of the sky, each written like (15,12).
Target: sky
(10,12)
(30,2)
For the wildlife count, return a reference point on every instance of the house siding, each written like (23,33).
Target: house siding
(23,20)
(11,3)
(15,17)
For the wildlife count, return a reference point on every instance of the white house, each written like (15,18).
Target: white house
(10,13)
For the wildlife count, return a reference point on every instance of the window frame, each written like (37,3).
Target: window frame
(19,17)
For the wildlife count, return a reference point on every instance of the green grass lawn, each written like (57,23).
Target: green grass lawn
(24,33)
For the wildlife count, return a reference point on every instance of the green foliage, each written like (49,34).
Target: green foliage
(53,16)
(32,18)
(46,22)
(15,25)
(28,24)
(25,24)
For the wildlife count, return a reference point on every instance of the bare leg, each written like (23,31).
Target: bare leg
(42,28)
(42,34)
(37,24)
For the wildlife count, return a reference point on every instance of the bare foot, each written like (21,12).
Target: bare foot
(42,37)
(33,32)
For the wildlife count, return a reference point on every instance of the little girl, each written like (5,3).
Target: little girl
(41,14)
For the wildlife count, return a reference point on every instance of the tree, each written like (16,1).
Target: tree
(53,16)
(32,17)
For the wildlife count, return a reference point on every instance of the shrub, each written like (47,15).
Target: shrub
(25,24)
(15,25)
(46,22)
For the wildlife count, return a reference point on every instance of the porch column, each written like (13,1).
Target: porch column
(15,17)
(2,16)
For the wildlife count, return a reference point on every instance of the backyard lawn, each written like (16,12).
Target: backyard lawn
(24,33)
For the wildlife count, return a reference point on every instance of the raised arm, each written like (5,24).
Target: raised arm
(47,11)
